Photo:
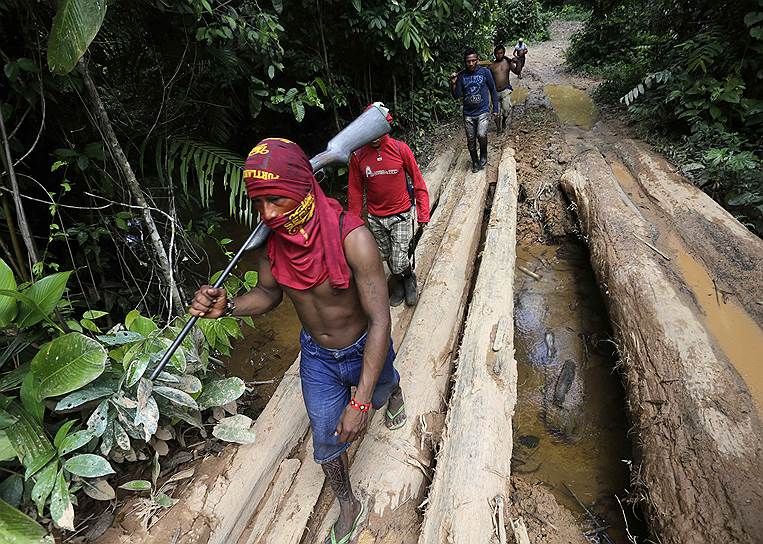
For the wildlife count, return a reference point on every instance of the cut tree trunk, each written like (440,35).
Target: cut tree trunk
(391,468)
(114,147)
(722,243)
(700,439)
(288,525)
(219,504)
(477,443)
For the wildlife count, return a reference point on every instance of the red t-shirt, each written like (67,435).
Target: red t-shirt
(382,173)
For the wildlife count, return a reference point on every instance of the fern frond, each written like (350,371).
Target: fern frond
(657,78)
(212,166)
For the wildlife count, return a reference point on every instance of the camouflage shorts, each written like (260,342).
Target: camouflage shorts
(393,235)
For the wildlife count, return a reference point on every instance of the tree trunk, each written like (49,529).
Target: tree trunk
(700,438)
(26,234)
(16,260)
(104,125)
(482,405)
(390,470)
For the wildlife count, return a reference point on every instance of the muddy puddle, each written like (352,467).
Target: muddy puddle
(573,106)
(519,95)
(570,425)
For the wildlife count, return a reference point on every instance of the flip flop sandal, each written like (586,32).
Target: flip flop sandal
(346,538)
(391,417)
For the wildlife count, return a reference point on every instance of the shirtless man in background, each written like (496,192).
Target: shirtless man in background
(501,67)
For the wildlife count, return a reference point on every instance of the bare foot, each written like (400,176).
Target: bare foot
(344,527)
(395,416)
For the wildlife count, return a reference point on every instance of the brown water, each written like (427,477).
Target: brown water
(734,331)
(565,304)
(573,106)
(519,95)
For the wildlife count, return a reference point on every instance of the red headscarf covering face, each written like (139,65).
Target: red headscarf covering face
(305,248)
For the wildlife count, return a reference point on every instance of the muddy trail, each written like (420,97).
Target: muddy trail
(583,364)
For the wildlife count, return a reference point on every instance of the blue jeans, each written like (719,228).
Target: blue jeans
(326,376)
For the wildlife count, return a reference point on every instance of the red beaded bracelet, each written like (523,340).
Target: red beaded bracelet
(359,406)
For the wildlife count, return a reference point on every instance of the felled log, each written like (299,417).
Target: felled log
(725,246)
(391,468)
(477,443)
(217,505)
(698,435)
(289,523)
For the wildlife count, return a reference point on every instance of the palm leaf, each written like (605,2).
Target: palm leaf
(214,168)
(75,25)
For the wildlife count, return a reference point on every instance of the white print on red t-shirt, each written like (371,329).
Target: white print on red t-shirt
(373,173)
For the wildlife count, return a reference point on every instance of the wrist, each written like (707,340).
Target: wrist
(230,307)
(360,406)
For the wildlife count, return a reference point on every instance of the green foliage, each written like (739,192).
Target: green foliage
(521,19)
(97,381)
(75,25)
(695,83)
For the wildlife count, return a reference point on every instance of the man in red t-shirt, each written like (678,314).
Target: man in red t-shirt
(382,169)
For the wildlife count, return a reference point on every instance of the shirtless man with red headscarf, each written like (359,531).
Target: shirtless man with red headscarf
(327,262)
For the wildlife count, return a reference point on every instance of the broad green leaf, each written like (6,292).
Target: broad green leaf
(120,338)
(74,441)
(28,303)
(78,398)
(18,528)
(187,382)
(99,490)
(176,396)
(356,5)
(6,419)
(148,416)
(94,314)
(45,294)
(31,398)
(75,25)
(137,369)
(98,420)
(6,448)
(61,509)
(164,500)
(62,432)
(137,323)
(12,379)
(43,485)
(136,485)
(88,465)
(121,437)
(235,429)
(12,489)
(67,363)
(90,325)
(8,305)
(298,109)
(29,440)
(220,392)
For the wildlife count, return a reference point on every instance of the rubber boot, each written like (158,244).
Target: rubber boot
(410,287)
(483,154)
(396,290)
(475,161)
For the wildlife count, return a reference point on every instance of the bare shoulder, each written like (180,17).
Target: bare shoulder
(360,248)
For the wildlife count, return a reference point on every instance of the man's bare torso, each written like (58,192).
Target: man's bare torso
(501,71)
(333,317)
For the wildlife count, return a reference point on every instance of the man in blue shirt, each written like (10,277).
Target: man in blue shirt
(476,86)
